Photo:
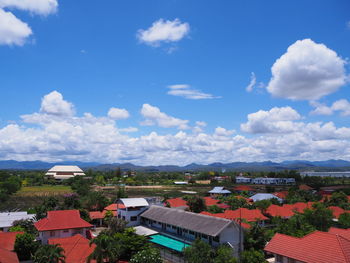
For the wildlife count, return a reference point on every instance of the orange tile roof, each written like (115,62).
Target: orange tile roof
(299,207)
(100,215)
(61,219)
(339,231)
(210,201)
(76,248)
(337,211)
(246,214)
(176,202)
(222,215)
(282,194)
(276,210)
(114,207)
(317,247)
(243,188)
(305,187)
(7,256)
(7,240)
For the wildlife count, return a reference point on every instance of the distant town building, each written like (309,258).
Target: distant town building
(129,209)
(62,172)
(62,223)
(264,196)
(273,181)
(243,180)
(188,226)
(219,190)
(326,174)
(7,219)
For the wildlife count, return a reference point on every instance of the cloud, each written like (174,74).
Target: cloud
(41,7)
(252,83)
(307,71)
(343,106)
(12,30)
(118,114)
(163,31)
(185,91)
(54,104)
(153,116)
(276,120)
(52,137)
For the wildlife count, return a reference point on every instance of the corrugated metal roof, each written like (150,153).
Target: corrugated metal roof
(263,196)
(6,219)
(134,202)
(204,224)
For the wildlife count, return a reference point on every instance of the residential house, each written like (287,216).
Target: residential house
(130,209)
(63,172)
(98,216)
(280,211)
(62,223)
(7,244)
(317,247)
(76,248)
(264,196)
(219,191)
(7,219)
(188,226)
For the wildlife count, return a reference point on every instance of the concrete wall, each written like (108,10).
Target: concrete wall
(46,235)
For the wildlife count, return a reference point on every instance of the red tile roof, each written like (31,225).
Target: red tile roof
(305,187)
(299,207)
(339,231)
(61,219)
(76,248)
(243,188)
(276,210)
(7,240)
(282,194)
(7,256)
(337,211)
(222,215)
(114,207)
(100,215)
(177,202)
(317,247)
(210,201)
(246,214)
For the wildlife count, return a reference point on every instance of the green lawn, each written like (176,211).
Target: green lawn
(54,189)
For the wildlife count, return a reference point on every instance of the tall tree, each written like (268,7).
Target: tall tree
(224,255)
(196,204)
(107,250)
(25,246)
(199,252)
(49,254)
(253,256)
(149,255)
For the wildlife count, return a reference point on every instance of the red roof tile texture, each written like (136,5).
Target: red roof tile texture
(244,213)
(61,219)
(317,247)
(276,210)
(76,248)
(7,256)
(243,188)
(337,211)
(176,202)
(282,194)
(7,240)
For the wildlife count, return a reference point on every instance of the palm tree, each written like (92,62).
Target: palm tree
(106,250)
(49,254)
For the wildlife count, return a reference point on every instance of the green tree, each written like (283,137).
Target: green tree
(344,220)
(224,255)
(115,224)
(339,199)
(263,204)
(27,225)
(25,246)
(256,237)
(96,201)
(16,229)
(214,209)
(106,250)
(296,226)
(235,202)
(199,252)
(49,254)
(131,243)
(252,256)
(196,204)
(71,201)
(320,217)
(149,255)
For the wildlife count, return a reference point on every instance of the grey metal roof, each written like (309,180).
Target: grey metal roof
(199,223)
(219,190)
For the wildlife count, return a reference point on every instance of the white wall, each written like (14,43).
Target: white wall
(46,235)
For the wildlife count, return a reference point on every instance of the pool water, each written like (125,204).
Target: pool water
(168,242)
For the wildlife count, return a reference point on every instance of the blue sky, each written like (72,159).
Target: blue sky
(175,74)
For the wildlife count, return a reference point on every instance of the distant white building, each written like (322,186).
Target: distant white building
(62,172)
(263,196)
(129,209)
(219,190)
(326,174)
(7,219)
(272,181)
(243,180)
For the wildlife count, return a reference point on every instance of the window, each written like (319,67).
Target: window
(279,259)
(123,217)
(291,260)
(216,239)
(204,236)
(192,233)
(133,218)
(66,231)
(173,227)
(185,231)
(52,233)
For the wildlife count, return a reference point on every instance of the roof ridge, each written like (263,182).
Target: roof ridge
(338,237)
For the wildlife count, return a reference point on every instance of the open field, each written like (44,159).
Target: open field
(44,190)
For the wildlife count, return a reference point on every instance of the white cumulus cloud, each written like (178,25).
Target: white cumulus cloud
(153,116)
(307,71)
(342,106)
(163,31)
(54,104)
(185,91)
(12,30)
(118,114)
(42,7)
(276,120)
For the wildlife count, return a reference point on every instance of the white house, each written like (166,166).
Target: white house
(264,196)
(130,209)
(62,172)
(188,226)
(7,219)
(243,180)
(62,223)
(218,190)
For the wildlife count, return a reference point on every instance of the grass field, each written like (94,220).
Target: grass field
(44,189)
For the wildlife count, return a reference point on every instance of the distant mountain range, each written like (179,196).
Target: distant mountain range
(339,165)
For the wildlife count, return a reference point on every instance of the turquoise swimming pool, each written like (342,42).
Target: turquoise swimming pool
(168,242)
